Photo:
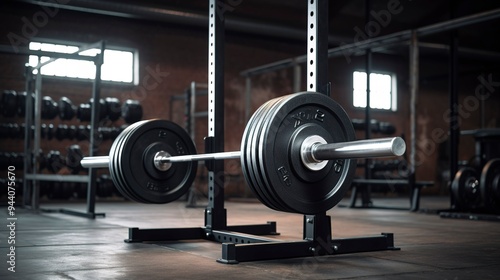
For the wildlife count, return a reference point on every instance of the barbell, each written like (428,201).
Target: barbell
(296,154)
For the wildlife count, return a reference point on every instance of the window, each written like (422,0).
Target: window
(119,65)
(382,90)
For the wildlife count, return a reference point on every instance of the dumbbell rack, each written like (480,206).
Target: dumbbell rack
(31,198)
(240,243)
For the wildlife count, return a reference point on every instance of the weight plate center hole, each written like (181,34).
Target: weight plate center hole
(306,153)
(161,164)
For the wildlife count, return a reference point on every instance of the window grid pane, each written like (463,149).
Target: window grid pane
(118,65)
(380,90)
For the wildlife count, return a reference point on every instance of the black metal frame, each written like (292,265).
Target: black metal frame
(240,243)
(361,186)
(31,199)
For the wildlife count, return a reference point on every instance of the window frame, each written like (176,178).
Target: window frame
(135,61)
(393,92)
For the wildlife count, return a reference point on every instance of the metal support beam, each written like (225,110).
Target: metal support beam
(414,79)
(453,102)
(381,42)
(215,214)
(317,46)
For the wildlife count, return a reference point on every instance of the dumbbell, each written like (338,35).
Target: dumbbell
(132,111)
(67,110)
(109,133)
(11,159)
(13,130)
(103,108)
(105,132)
(62,132)
(74,155)
(55,161)
(21,103)
(50,109)
(72,132)
(386,128)
(83,133)
(84,111)
(47,131)
(9,103)
(113,108)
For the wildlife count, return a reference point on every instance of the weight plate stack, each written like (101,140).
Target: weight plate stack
(465,189)
(490,185)
(271,160)
(132,162)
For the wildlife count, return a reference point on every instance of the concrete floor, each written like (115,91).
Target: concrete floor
(57,246)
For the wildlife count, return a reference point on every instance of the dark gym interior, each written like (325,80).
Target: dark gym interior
(232,139)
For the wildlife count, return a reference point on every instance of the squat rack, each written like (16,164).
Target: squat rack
(240,243)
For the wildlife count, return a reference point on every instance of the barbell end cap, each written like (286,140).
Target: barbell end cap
(398,146)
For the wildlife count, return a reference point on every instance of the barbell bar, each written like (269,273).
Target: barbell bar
(296,155)
(314,152)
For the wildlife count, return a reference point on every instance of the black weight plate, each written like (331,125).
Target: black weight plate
(140,146)
(243,148)
(490,185)
(248,158)
(301,195)
(164,146)
(115,171)
(128,190)
(262,164)
(114,165)
(465,196)
(114,153)
(257,159)
(259,163)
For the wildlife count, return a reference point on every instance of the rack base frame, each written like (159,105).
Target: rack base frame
(242,243)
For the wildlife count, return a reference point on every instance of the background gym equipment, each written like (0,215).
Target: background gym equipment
(61,132)
(83,112)
(489,185)
(50,108)
(9,103)
(475,191)
(375,126)
(465,189)
(131,111)
(35,131)
(67,110)
(113,108)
